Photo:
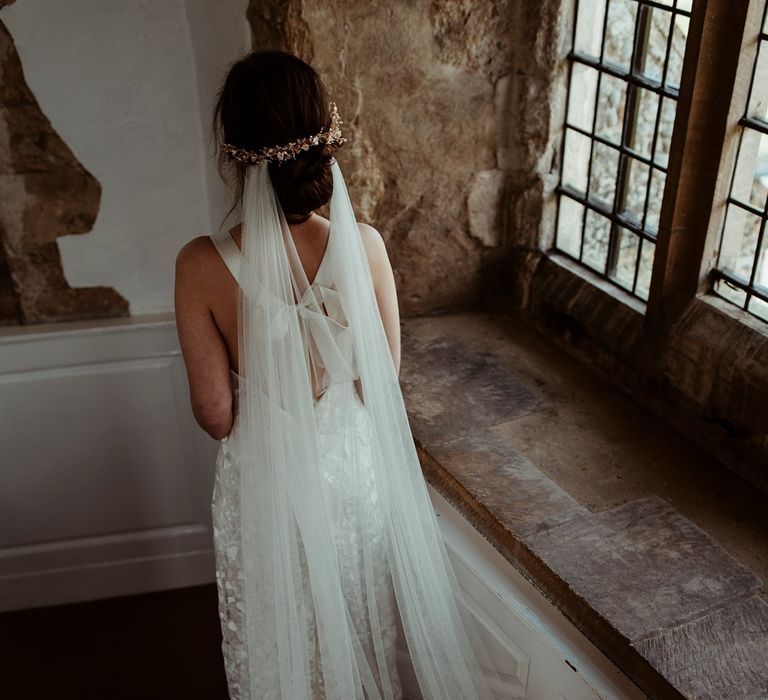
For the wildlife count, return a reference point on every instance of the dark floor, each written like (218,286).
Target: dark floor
(144,647)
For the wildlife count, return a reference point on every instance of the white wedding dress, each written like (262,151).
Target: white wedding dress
(344,431)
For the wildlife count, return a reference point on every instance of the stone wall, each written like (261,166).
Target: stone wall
(46,193)
(441,159)
(449,109)
(108,113)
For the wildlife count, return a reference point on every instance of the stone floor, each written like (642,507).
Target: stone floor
(654,550)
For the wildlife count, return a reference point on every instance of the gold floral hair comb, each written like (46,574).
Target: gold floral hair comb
(290,150)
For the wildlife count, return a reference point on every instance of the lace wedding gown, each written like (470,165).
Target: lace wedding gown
(347,472)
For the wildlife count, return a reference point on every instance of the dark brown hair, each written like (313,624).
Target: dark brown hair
(269,98)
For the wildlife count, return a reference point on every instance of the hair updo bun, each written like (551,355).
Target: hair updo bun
(303,183)
(269,98)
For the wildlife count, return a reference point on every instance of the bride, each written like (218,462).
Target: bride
(326,542)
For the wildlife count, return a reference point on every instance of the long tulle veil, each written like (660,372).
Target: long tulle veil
(287,538)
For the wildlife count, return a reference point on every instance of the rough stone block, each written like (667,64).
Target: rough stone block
(720,656)
(430,130)
(46,193)
(643,566)
(520,496)
(451,390)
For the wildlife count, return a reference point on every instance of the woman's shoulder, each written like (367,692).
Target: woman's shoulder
(196,260)
(194,249)
(195,252)
(375,250)
(372,239)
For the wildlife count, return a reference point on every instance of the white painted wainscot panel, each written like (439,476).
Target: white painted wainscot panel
(105,478)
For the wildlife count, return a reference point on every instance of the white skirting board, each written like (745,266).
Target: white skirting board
(105,490)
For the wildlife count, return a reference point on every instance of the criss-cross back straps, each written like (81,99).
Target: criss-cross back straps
(229,252)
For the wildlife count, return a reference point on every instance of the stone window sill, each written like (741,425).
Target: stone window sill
(632,302)
(648,545)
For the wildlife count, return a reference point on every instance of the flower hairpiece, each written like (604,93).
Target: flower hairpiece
(290,150)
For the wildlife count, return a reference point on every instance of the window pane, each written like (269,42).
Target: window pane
(605,164)
(761,264)
(737,250)
(569,220)
(577,147)
(731,293)
(636,190)
(610,108)
(642,129)
(677,51)
(664,137)
(583,92)
(655,195)
(750,178)
(589,27)
(627,250)
(647,249)
(596,233)
(759,308)
(757,100)
(621,33)
(653,51)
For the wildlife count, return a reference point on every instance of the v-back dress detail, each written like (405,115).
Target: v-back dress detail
(349,487)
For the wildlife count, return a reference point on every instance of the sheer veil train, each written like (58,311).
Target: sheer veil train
(291,332)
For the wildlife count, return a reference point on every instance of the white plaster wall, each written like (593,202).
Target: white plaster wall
(220,35)
(128,86)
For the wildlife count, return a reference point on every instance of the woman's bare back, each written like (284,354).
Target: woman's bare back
(205,300)
(310,239)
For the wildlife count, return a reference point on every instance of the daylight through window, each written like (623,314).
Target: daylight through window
(624,76)
(741,273)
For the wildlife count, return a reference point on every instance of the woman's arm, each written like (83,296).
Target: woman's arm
(384,286)
(202,346)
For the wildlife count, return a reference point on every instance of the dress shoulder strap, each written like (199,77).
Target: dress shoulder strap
(229,252)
